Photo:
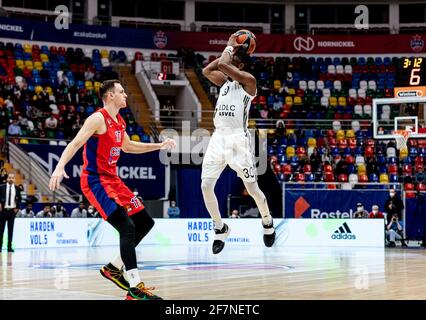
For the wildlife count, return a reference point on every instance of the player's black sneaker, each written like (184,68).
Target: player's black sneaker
(116,276)
(269,234)
(140,292)
(220,238)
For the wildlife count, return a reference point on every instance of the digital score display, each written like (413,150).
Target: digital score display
(410,77)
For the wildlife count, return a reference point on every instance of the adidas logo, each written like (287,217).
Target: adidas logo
(343,233)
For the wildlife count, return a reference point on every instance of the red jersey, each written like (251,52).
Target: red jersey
(102,151)
(100,183)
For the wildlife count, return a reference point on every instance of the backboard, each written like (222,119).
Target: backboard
(392,114)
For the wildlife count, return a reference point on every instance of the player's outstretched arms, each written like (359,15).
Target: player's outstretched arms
(129,146)
(90,126)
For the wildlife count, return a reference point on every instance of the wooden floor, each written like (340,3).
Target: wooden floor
(180,272)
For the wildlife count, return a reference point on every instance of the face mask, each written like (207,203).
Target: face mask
(375,211)
(360,208)
(392,194)
(90,210)
(135,193)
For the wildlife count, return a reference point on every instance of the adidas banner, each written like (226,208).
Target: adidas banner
(323,204)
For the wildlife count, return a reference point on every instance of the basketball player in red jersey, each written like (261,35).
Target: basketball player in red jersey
(104,137)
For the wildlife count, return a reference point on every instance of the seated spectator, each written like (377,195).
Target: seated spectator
(360,211)
(92,212)
(375,213)
(3,176)
(235,214)
(27,212)
(394,231)
(45,213)
(14,128)
(79,212)
(173,211)
(59,210)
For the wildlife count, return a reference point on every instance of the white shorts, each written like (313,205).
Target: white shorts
(233,149)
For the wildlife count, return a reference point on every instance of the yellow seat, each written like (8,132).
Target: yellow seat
(290,152)
(340,135)
(333,101)
(384,178)
(289,131)
(289,101)
(350,133)
(135,137)
(312,142)
(104,53)
(8,166)
(23,141)
(88,85)
(298,101)
(291,91)
(49,91)
(342,101)
(403,153)
(277,84)
(252,124)
(362,169)
(38,89)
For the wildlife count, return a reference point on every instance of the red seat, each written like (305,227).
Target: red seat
(329,177)
(352,143)
(300,177)
(328,168)
(369,152)
(421,187)
(349,159)
(286,169)
(409,191)
(343,178)
(307,168)
(407,170)
(277,168)
(362,178)
(393,169)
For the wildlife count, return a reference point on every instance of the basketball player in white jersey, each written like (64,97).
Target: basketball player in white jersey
(230,142)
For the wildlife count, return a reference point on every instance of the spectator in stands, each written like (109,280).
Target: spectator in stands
(76,125)
(80,211)
(235,214)
(280,130)
(169,112)
(372,166)
(341,166)
(45,213)
(315,160)
(59,210)
(92,212)
(88,74)
(394,231)
(326,157)
(375,213)
(3,176)
(173,211)
(264,113)
(360,211)
(27,212)
(51,123)
(277,106)
(23,193)
(393,205)
(14,128)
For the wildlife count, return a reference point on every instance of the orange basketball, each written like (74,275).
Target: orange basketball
(248,39)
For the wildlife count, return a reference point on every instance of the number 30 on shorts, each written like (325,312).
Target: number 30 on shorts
(248,172)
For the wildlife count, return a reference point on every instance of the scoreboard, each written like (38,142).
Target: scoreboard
(410,78)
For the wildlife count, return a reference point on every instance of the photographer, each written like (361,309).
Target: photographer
(394,205)
(394,232)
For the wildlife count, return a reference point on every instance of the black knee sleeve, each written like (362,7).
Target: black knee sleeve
(143,224)
(126,229)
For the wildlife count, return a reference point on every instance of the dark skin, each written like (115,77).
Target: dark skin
(228,65)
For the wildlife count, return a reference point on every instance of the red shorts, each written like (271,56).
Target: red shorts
(106,193)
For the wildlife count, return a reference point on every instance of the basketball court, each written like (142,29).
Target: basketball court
(192,272)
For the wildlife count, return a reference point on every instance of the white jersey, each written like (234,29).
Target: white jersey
(232,107)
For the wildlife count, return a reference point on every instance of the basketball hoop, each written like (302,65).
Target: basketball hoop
(401,137)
